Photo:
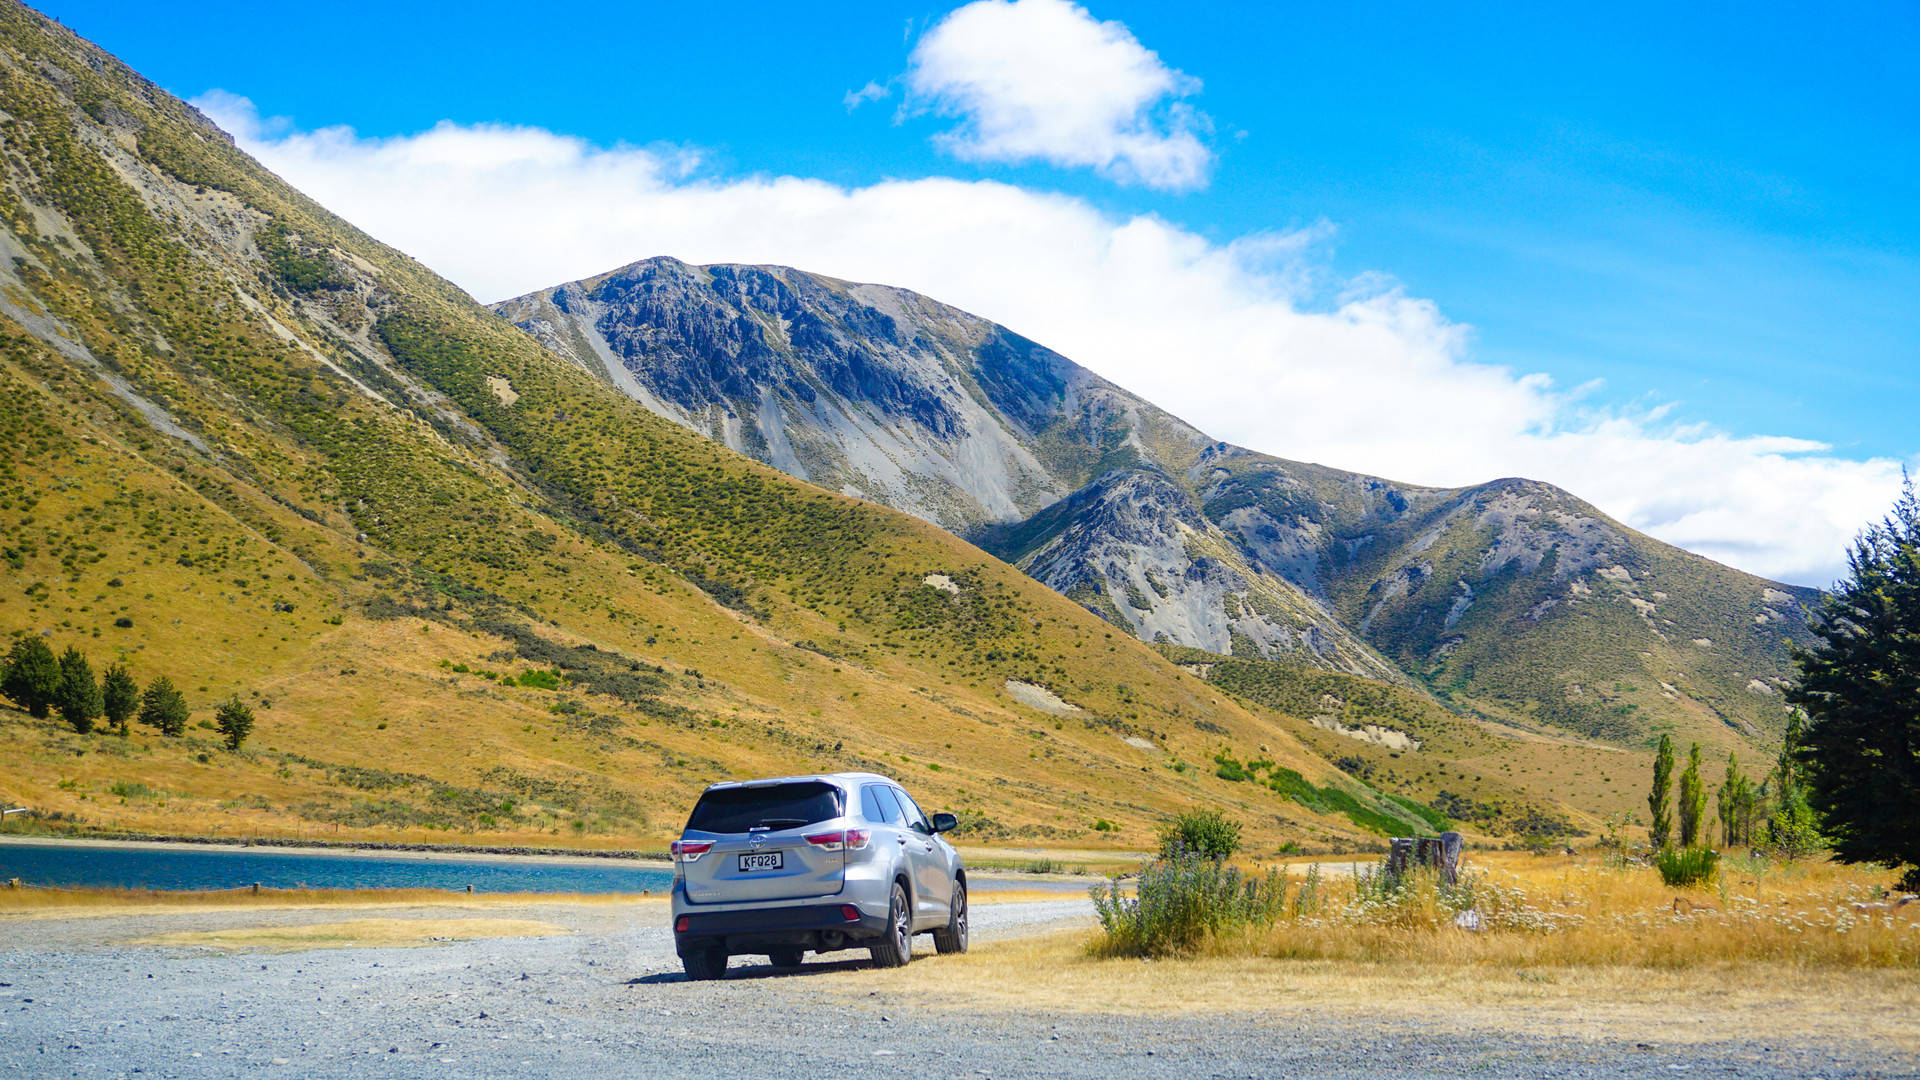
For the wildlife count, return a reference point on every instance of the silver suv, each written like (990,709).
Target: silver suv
(780,867)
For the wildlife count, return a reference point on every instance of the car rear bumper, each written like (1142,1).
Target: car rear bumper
(820,927)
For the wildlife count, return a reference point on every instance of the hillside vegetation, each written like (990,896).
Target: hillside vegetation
(1510,601)
(467,587)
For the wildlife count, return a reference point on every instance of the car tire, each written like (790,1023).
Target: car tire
(704,964)
(895,946)
(952,938)
(786,958)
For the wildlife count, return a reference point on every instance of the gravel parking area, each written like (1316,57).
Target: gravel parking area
(608,1000)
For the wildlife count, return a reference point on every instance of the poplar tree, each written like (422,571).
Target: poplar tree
(1660,799)
(1735,805)
(1693,800)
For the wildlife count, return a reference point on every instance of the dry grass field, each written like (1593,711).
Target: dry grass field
(1573,948)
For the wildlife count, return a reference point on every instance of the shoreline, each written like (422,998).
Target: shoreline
(342,849)
(997,877)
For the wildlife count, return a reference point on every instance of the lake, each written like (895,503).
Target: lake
(193,867)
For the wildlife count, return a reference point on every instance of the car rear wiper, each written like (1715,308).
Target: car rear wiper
(782,822)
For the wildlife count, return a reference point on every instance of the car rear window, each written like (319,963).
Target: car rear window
(780,806)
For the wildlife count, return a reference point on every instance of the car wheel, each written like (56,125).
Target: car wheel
(953,938)
(786,958)
(895,947)
(704,964)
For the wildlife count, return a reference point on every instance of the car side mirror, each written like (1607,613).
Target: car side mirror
(945,823)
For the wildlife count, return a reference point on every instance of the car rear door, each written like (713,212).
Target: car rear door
(932,887)
(760,847)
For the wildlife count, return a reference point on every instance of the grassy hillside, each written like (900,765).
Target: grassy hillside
(1517,601)
(469,588)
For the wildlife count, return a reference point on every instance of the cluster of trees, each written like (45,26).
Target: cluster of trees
(1848,774)
(1773,814)
(36,680)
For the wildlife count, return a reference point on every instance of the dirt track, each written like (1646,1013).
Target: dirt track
(606,999)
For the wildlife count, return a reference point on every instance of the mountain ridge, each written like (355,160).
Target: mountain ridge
(467,586)
(1242,553)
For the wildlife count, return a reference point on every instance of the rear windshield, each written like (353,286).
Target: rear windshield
(781,806)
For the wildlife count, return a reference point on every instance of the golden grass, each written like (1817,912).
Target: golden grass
(85,903)
(353,934)
(1580,912)
(1700,1004)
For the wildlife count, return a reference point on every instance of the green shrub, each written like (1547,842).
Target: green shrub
(1180,902)
(1204,833)
(1685,867)
(542,680)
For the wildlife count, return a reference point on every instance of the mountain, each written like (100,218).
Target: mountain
(883,394)
(469,587)
(1511,601)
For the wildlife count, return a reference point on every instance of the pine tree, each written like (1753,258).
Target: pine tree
(32,678)
(235,722)
(1693,800)
(78,696)
(1860,687)
(120,696)
(1660,799)
(164,707)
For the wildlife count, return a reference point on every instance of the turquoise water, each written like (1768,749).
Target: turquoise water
(210,867)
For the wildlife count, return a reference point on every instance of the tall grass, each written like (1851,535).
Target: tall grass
(1576,912)
(1182,901)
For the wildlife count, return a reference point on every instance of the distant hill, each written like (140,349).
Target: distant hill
(1513,600)
(474,591)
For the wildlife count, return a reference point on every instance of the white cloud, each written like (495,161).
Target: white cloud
(1043,80)
(873,91)
(1220,334)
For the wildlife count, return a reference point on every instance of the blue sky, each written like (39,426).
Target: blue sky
(1712,208)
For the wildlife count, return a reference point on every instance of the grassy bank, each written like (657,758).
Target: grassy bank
(1518,911)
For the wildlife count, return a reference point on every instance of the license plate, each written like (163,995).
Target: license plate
(762,860)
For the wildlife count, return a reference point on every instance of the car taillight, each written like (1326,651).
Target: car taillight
(686,851)
(680,924)
(842,840)
(849,913)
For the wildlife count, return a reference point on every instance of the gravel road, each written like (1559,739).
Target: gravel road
(608,1001)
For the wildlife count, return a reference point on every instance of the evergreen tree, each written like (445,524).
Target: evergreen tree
(78,696)
(1860,687)
(1693,800)
(235,722)
(32,676)
(119,696)
(1660,799)
(164,707)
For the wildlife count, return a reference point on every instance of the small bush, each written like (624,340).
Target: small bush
(1203,833)
(1182,901)
(1685,867)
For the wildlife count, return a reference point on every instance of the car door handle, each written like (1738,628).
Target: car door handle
(902,839)
(929,847)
